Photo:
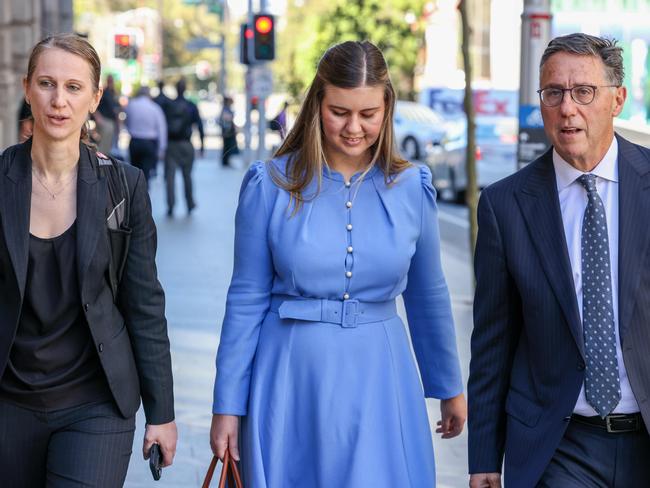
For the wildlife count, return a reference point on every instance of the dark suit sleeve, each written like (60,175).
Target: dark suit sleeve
(497,324)
(142,303)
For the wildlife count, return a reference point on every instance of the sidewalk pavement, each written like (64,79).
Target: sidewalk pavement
(195,263)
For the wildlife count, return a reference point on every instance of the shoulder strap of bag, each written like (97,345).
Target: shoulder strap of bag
(118,209)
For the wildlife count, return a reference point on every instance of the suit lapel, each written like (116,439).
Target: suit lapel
(91,209)
(540,206)
(634,209)
(16,204)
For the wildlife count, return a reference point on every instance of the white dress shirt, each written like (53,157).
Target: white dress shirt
(146,120)
(573,201)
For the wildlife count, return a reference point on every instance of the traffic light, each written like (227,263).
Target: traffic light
(264,37)
(245,36)
(125,47)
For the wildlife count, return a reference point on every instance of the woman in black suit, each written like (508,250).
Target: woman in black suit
(76,356)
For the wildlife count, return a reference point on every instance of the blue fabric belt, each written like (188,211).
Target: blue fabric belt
(346,313)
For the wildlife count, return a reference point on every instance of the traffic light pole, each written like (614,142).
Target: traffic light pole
(249,105)
(261,107)
(535,35)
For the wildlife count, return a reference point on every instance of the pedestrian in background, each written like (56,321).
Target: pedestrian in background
(560,370)
(107,118)
(161,99)
(146,124)
(228,132)
(182,115)
(314,361)
(75,358)
(279,122)
(25,122)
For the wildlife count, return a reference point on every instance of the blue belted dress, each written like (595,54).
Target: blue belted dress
(313,355)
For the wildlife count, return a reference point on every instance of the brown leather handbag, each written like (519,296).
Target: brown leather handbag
(229,473)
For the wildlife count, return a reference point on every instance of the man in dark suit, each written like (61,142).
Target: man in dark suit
(560,374)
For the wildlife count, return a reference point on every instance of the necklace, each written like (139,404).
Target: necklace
(52,194)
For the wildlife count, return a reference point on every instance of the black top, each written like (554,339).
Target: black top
(53,363)
(181,114)
(108,105)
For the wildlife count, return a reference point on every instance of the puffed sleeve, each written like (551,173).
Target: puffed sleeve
(428,306)
(248,296)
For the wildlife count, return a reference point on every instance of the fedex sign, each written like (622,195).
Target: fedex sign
(487,103)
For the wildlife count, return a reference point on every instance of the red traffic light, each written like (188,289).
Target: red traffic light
(249,33)
(122,39)
(263,24)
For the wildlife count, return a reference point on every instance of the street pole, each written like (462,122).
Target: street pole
(535,36)
(249,107)
(261,108)
(224,29)
(161,38)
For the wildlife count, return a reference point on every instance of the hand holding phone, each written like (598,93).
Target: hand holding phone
(155,461)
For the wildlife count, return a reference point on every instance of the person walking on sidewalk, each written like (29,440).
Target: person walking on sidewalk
(314,361)
(106,117)
(76,353)
(146,124)
(560,370)
(181,115)
(228,132)
(161,99)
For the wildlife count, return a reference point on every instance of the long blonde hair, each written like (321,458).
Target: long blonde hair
(351,64)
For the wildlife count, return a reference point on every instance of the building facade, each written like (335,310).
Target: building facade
(22,24)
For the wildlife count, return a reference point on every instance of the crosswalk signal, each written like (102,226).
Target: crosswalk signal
(264,37)
(125,47)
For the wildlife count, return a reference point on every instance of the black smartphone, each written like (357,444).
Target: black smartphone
(155,461)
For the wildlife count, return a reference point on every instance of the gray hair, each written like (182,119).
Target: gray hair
(586,45)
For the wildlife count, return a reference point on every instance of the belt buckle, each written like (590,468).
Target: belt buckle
(350,312)
(611,429)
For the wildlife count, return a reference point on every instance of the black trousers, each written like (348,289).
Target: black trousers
(590,457)
(144,154)
(229,149)
(85,446)
(180,154)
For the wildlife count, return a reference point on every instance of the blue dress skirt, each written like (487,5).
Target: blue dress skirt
(313,355)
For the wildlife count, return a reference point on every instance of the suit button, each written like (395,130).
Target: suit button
(100,347)
(86,307)
(581,366)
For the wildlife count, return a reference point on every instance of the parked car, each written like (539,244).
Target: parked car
(418,130)
(496,155)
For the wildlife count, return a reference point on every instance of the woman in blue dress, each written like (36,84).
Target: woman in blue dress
(316,381)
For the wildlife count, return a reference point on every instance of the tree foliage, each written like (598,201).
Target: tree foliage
(180,24)
(393,25)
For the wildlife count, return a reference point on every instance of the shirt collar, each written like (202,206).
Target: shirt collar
(565,174)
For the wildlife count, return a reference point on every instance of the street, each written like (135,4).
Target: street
(195,263)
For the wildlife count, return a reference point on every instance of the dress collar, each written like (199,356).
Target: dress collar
(336,176)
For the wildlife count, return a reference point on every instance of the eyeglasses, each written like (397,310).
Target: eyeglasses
(581,94)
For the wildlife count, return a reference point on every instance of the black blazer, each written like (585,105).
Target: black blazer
(528,364)
(130,334)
